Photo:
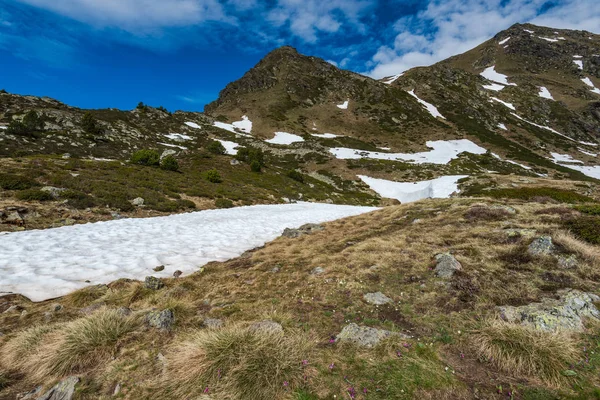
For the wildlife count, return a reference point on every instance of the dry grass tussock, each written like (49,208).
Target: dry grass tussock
(588,252)
(75,347)
(238,363)
(524,351)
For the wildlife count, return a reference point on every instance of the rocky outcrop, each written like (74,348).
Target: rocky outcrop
(365,336)
(162,320)
(541,246)
(565,313)
(446,265)
(377,298)
(64,390)
(153,283)
(305,229)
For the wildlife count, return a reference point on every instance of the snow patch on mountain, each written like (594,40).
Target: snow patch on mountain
(193,125)
(589,83)
(178,137)
(443,151)
(545,93)
(344,105)
(407,192)
(285,138)
(230,147)
(430,107)
(325,135)
(564,158)
(245,126)
(491,75)
(504,41)
(502,126)
(393,79)
(59,261)
(588,153)
(579,64)
(494,86)
(173,145)
(509,105)
(553,131)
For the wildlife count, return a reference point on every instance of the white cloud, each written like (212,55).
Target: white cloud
(308,18)
(136,15)
(459,25)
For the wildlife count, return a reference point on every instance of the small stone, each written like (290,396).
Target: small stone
(377,298)
(317,271)
(138,202)
(64,390)
(159,268)
(446,266)
(117,389)
(267,326)
(162,320)
(153,283)
(212,323)
(234,162)
(541,246)
(364,335)
(275,270)
(56,307)
(177,274)
(567,262)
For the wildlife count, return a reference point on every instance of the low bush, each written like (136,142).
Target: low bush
(524,351)
(251,155)
(537,193)
(146,157)
(223,203)
(482,213)
(90,125)
(78,200)
(586,228)
(591,209)
(16,182)
(34,195)
(213,176)
(169,163)
(216,147)
(295,175)
(239,363)
(255,166)
(186,204)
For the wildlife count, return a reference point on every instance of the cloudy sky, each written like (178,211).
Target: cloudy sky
(180,53)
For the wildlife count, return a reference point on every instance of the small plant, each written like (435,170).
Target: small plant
(15,182)
(255,166)
(146,157)
(223,203)
(213,176)
(90,125)
(186,204)
(33,195)
(78,200)
(216,147)
(142,107)
(3,91)
(17,128)
(252,155)
(591,209)
(169,163)
(295,175)
(586,228)
(32,121)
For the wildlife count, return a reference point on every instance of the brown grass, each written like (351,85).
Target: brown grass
(238,363)
(524,351)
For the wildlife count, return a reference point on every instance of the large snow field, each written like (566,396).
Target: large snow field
(443,151)
(44,264)
(408,192)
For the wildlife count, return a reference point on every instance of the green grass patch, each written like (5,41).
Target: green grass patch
(585,228)
(591,209)
(16,182)
(34,195)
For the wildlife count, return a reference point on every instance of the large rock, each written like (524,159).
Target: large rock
(162,320)
(306,229)
(138,202)
(64,390)
(364,335)
(377,298)
(565,313)
(541,246)
(153,283)
(446,265)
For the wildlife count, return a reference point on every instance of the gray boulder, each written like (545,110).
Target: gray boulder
(317,271)
(364,335)
(162,320)
(153,283)
(541,246)
(267,326)
(377,298)
(567,262)
(64,390)
(446,265)
(54,191)
(138,202)
(306,229)
(167,153)
(565,313)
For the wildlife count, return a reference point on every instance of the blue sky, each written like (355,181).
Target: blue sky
(180,53)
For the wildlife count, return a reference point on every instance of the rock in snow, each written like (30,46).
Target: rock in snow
(61,260)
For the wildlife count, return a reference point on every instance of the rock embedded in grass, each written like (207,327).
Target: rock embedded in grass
(305,229)
(153,283)
(213,323)
(365,336)
(446,265)
(377,298)
(566,313)
(267,326)
(162,320)
(64,390)
(541,246)
(317,271)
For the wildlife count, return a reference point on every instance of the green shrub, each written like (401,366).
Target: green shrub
(591,209)
(213,176)
(17,128)
(216,147)
(78,200)
(3,91)
(32,121)
(33,194)
(251,154)
(533,193)
(15,182)
(295,175)
(585,228)
(165,206)
(89,125)
(223,203)
(169,163)
(146,157)
(186,204)
(255,166)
